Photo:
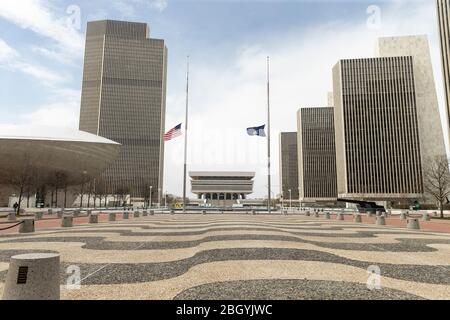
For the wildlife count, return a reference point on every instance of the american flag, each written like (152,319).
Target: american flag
(173,133)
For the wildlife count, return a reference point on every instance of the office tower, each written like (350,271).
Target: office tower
(288,165)
(431,135)
(316,154)
(123,99)
(378,152)
(443,12)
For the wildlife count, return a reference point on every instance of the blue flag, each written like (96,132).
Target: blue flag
(257,131)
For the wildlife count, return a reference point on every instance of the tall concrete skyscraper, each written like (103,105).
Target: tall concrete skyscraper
(288,165)
(377,133)
(124,99)
(443,12)
(316,155)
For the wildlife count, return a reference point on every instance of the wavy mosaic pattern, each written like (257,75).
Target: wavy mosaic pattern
(243,257)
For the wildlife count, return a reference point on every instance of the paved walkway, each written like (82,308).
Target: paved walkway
(241,257)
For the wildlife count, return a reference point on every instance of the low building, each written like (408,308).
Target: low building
(220,188)
(43,153)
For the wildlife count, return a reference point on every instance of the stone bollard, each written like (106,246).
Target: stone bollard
(50,211)
(203,212)
(60,214)
(33,276)
(152,212)
(381,221)
(75,214)
(12,216)
(38,215)
(357,218)
(89,212)
(327,215)
(172,211)
(67,222)
(27,226)
(93,218)
(136,214)
(307,213)
(403,215)
(340,216)
(413,223)
(254,212)
(112,216)
(126,215)
(145,213)
(435,214)
(285,212)
(317,215)
(426,217)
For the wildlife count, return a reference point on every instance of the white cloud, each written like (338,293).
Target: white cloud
(11,59)
(228,98)
(128,7)
(62,110)
(39,17)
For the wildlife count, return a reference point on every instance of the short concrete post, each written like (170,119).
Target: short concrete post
(413,223)
(327,215)
(38,215)
(27,226)
(152,212)
(136,214)
(403,216)
(426,217)
(307,213)
(126,215)
(340,216)
(285,212)
(145,213)
(357,218)
(67,222)
(112,216)
(381,221)
(172,211)
(33,276)
(60,213)
(317,215)
(254,212)
(50,211)
(203,212)
(12,216)
(89,212)
(93,218)
(75,214)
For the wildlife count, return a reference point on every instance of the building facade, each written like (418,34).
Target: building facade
(288,165)
(316,155)
(222,188)
(443,12)
(377,131)
(124,99)
(431,134)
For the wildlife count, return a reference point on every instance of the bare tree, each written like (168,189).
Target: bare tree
(21,179)
(437,180)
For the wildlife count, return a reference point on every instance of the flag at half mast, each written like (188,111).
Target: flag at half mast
(257,131)
(173,133)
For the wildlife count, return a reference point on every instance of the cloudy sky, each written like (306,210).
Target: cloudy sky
(41,59)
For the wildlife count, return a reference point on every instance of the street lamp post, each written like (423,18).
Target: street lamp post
(290,199)
(150,198)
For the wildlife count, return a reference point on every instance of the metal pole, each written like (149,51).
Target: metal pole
(185,137)
(268,138)
(150,198)
(290,199)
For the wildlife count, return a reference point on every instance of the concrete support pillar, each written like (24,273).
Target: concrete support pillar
(67,222)
(27,226)
(413,223)
(33,276)
(93,218)
(381,221)
(12,216)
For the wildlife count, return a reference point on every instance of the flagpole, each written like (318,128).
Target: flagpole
(268,139)
(185,137)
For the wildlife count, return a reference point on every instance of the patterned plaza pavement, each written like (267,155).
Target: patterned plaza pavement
(232,256)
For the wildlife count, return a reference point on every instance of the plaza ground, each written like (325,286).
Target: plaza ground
(238,256)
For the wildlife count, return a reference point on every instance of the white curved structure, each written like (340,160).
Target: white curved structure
(49,150)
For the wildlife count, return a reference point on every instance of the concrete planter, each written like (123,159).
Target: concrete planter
(12,216)
(413,224)
(381,221)
(112,216)
(93,218)
(33,276)
(27,226)
(357,218)
(67,222)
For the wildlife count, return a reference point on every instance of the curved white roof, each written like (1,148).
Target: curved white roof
(32,132)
